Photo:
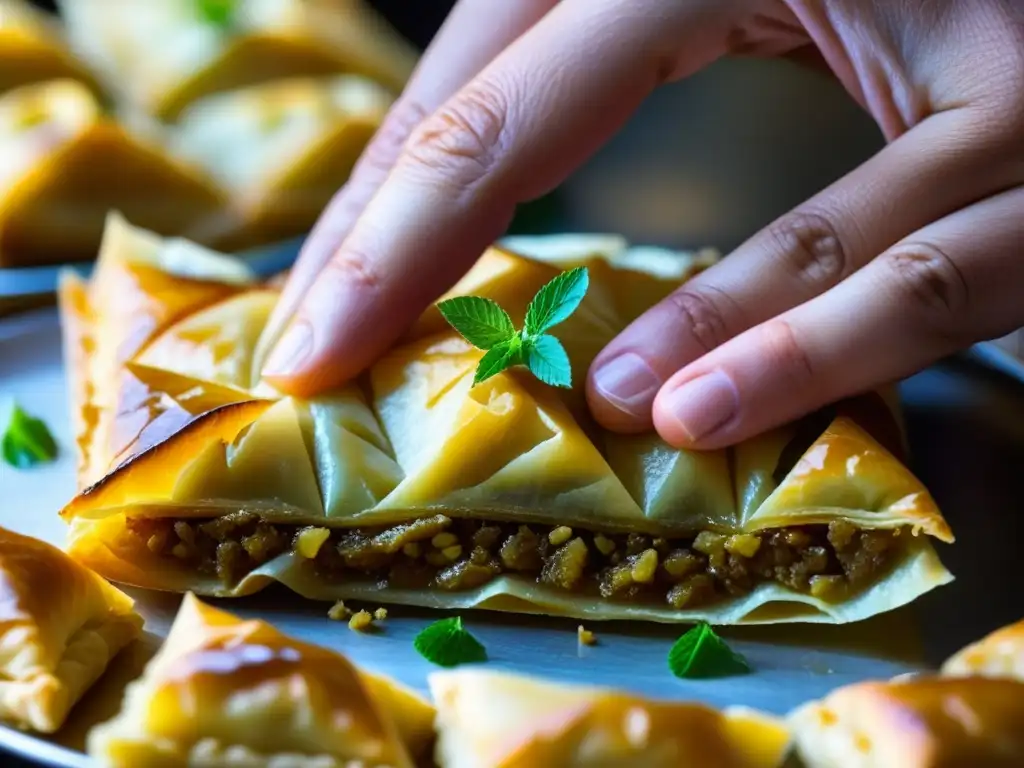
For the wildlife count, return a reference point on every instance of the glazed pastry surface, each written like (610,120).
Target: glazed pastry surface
(226,691)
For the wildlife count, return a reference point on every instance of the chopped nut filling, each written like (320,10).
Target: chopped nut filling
(827,561)
(585,636)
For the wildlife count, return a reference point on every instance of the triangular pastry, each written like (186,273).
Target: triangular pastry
(413,485)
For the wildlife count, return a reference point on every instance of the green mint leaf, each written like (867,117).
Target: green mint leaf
(546,358)
(498,358)
(219,13)
(447,644)
(26,441)
(700,653)
(481,322)
(556,301)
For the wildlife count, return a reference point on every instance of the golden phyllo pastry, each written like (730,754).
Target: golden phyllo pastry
(162,55)
(930,722)
(283,148)
(224,691)
(32,48)
(999,654)
(497,720)
(60,625)
(64,166)
(412,485)
(971,714)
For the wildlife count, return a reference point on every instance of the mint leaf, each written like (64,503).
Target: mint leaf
(219,13)
(26,441)
(700,653)
(447,644)
(547,360)
(556,301)
(481,322)
(487,326)
(498,358)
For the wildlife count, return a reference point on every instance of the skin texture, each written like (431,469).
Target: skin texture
(911,256)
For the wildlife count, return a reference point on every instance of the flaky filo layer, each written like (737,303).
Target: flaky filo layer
(414,486)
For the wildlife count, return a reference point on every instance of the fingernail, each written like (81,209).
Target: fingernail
(703,405)
(628,383)
(294,347)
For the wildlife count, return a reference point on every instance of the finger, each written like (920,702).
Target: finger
(510,135)
(939,166)
(473,34)
(938,290)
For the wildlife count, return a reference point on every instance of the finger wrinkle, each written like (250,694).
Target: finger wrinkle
(461,142)
(933,282)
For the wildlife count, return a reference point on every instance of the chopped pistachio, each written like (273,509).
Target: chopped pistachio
(309,540)
(380,614)
(744,544)
(361,621)
(604,545)
(338,611)
(645,567)
(444,540)
(411,550)
(560,535)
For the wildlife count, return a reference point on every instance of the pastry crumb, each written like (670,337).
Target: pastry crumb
(338,611)
(380,614)
(585,636)
(361,621)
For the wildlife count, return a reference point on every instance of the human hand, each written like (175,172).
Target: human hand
(909,257)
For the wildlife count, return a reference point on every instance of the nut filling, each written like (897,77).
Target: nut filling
(828,561)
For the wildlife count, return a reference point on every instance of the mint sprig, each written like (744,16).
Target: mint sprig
(448,644)
(484,324)
(700,653)
(26,441)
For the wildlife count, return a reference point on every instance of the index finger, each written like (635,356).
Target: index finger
(473,34)
(513,133)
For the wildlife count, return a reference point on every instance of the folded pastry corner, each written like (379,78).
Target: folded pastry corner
(228,691)
(998,654)
(58,152)
(60,625)
(918,723)
(33,50)
(489,719)
(163,55)
(414,485)
(281,148)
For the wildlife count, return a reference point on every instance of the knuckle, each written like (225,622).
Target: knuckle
(701,315)
(464,139)
(786,353)
(810,246)
(353,269)
(931,284)
(386,146)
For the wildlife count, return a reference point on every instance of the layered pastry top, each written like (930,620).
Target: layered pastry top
(412,485)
